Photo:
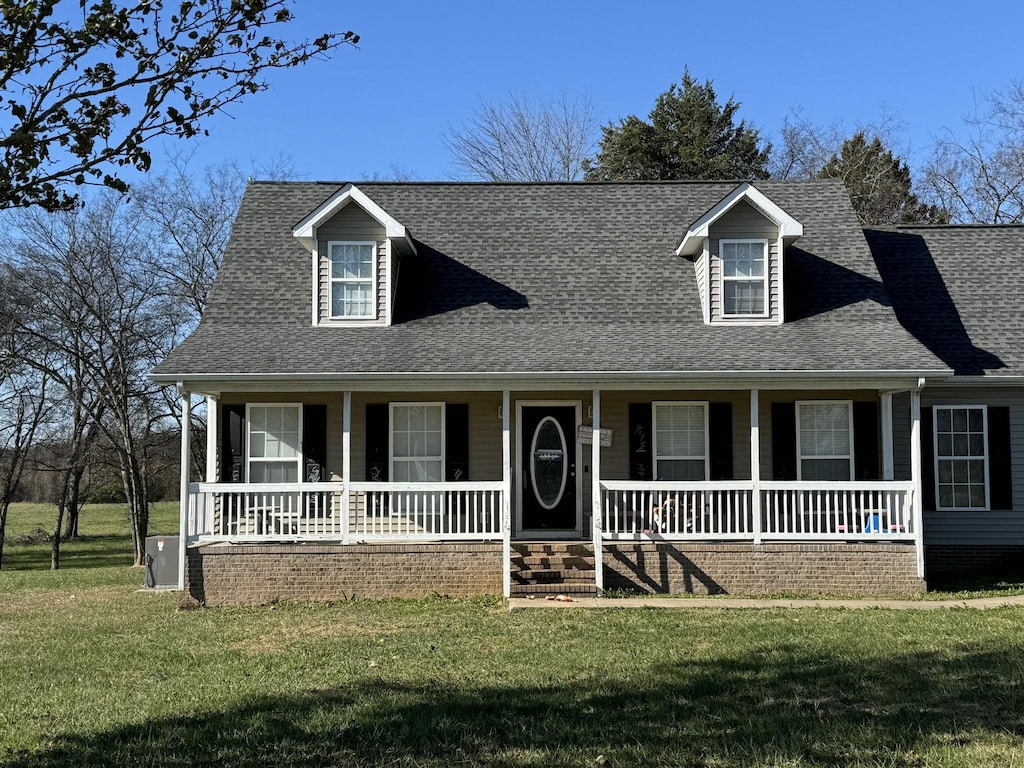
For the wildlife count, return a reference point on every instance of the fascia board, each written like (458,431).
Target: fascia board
(789,228)
(350,193)
(512,377)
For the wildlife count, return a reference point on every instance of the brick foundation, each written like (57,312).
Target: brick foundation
(747,569)
(253,574)
(951,561)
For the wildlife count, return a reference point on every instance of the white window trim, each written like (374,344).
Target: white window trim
(654,439)
(723,279)
(799,449)
(935,456)
(299,458)
(372,280)
(391,437)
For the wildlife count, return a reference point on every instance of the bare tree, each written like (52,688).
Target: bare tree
(523,140)
(802,148)
(979,175)
(102,320)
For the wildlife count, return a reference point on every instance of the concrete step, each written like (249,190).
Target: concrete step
(553,563)
(541,590)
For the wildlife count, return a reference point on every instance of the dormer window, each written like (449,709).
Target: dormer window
(744,278)
(353,270)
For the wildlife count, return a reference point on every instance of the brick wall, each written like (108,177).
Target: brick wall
(247,574)
(944,561)
(747,569)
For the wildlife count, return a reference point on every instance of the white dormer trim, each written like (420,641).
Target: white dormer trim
(305,230)
(789,228)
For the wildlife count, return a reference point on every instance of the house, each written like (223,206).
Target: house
(666,386)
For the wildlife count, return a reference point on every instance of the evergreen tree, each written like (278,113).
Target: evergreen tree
(879,184)
(688,135)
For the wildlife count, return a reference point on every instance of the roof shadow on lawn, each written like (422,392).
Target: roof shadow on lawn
(923,304)
(432,283)
(775,704)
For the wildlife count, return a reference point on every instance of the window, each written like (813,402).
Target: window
(961,457)
(744,277)
(417,442)
(825,440)
(680,441)
(352,280)
(275,435)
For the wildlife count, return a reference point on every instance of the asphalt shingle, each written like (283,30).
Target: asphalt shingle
(547,278)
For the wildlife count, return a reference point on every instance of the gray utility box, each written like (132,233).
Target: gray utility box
(162,562)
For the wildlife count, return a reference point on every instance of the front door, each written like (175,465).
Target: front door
(547,486)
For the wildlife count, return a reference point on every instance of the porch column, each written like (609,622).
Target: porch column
(888,472)
(212,427)
(755,463)
(595,467)
(346,464)
(186,459)
(915,476)
(506,496)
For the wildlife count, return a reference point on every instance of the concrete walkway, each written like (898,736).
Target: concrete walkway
(686,603)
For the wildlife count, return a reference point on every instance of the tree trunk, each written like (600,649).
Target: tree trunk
(74,497)
(3,529)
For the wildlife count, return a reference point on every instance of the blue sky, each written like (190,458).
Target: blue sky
(423,65)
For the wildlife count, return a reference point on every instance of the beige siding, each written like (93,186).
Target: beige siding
(767,397)
(995,527)
(350,223)
(744,222)
(396,264)
(700,269)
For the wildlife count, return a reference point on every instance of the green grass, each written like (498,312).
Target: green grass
(93,672)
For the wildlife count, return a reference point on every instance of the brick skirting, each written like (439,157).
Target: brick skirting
(748,569)
(254,574)
(943,561)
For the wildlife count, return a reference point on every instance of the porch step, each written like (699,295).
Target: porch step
(541,568)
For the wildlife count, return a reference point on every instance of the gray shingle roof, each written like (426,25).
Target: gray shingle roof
(958,290)
(546,278)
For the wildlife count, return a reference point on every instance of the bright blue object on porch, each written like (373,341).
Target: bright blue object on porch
(874,524)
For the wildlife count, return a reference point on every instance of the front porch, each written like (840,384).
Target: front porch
(753,524)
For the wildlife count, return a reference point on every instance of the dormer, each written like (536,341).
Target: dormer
(737,249)
(356,248)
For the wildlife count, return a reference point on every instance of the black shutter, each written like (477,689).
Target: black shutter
(641,460)
(927,461)
(784,455)
(456,442)
(232,443)
(720,440)
(377,428)
(999,469)
(865,441)
(314,443)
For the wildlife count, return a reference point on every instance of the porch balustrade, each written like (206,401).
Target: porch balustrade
(329,511)
(863,511)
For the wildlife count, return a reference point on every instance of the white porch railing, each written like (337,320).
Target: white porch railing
(713,510)
(317,511)
(862,511)
(461,510)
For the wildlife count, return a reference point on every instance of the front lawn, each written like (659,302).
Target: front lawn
(93,672)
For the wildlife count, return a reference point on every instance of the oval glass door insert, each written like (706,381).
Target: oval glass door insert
(548,466)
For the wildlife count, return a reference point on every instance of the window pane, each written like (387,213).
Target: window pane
(417,443)
(354,299)
(825,469)
(977,495)
(824,429)
(944,419)
(976,420)
(743,297)
(682,470)
(351,261)
(960,420)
